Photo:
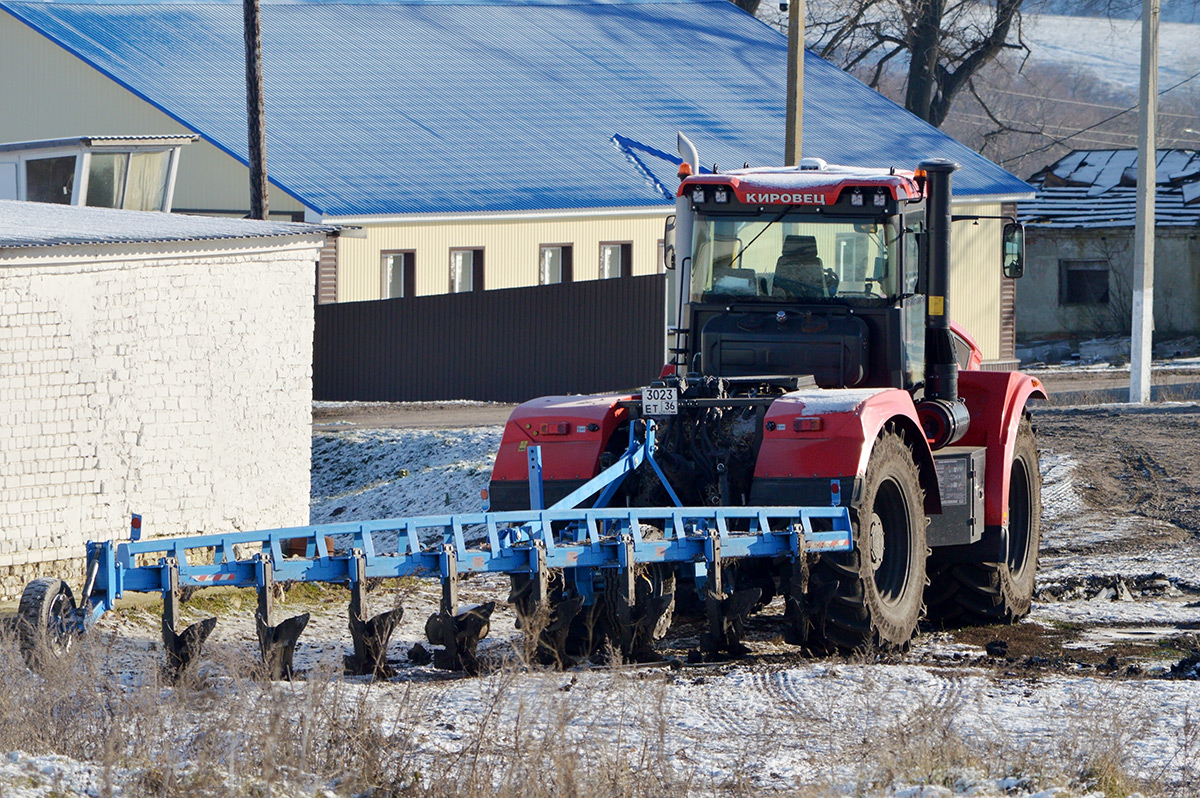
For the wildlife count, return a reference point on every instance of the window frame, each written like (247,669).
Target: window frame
(79,172)
(626,254)
(408,277)
(80,185)
(476,269)
(566,263)
(1068,265)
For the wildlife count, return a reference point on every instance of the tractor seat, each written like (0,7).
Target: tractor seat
(799,272)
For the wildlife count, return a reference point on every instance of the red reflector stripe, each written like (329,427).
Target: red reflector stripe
(808,424)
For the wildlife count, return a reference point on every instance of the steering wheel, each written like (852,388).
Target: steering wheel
(831,281)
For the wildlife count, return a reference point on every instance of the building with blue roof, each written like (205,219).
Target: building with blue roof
(479,143)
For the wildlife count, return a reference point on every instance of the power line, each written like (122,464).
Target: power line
(980,118)
(1098,124)
(1083,102)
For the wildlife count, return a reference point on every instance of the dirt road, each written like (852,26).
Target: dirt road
(1119,576)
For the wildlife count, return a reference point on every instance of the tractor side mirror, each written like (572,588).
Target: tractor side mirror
(1013,254)
(669,243)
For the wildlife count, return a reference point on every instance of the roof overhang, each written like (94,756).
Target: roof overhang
(100,142)
(647,211)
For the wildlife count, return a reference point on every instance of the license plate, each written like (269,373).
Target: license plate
(660,402)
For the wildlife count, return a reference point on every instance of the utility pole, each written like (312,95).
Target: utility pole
(1140,350)
(255,111)
(795,79)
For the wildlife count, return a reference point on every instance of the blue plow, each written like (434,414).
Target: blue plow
(566,559)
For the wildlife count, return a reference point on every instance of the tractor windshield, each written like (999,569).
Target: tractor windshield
(791,256)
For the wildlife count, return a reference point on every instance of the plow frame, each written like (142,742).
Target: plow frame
(581,542)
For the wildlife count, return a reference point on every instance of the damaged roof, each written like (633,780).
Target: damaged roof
(1098,188)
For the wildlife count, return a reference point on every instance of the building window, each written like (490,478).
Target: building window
(466,270)
(616,260)
(554,264)
(106,179)
(1083,282)
(149,176)
(399,274)
(50,180)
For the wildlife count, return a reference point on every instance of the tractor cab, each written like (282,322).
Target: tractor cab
(808,270)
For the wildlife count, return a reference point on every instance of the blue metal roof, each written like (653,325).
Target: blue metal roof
(494,105)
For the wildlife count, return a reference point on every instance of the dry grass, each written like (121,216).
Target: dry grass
(223,731)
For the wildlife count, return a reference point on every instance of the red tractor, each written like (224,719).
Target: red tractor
(815,364)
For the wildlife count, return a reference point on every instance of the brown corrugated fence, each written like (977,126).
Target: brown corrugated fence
(506,345)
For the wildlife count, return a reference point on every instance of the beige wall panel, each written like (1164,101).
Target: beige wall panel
(49,93)
(975,277)
(511,258)
(511,250)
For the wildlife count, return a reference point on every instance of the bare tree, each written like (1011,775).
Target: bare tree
(940,45)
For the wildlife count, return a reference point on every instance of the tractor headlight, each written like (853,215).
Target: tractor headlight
(698,194)
(721,195)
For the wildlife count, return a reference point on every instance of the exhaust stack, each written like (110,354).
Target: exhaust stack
(943,415)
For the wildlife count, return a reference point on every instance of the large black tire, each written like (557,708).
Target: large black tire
(589,631)
(871,598)
(999,592)
(45,606)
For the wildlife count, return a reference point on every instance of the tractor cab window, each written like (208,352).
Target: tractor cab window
(915,226)
(790,257)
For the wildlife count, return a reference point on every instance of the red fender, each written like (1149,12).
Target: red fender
(839,445)
(975,358)
(996,400)
(573,431)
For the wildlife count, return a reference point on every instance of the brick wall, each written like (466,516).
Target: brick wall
(175,386)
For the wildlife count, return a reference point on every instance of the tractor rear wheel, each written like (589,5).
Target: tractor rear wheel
(1000,592)
(871,597)
(42,616)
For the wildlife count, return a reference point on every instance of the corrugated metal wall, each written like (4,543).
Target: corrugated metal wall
(975,276)
(507,345)
(326,291)
(511,249)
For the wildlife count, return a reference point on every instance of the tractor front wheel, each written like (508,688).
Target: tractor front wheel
(871,597)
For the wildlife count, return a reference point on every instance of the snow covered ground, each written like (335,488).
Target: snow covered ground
(779,725)
(1111,48)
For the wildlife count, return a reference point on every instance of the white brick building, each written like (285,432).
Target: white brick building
(149,363)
